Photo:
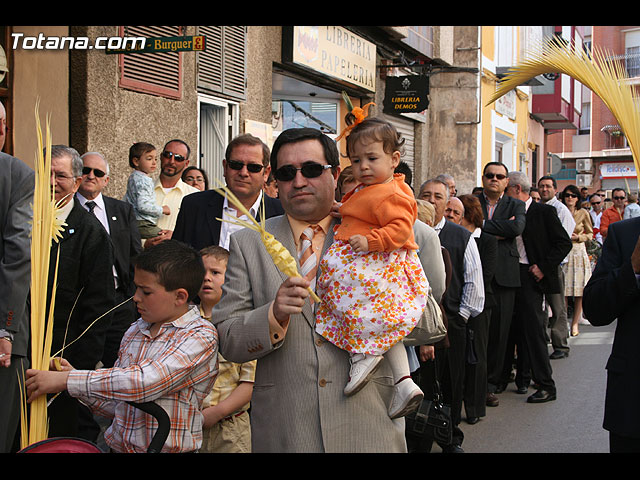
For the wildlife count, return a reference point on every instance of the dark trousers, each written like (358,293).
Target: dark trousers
(475,381)
(499,326)
(11,379)
(528,331)
(621,444)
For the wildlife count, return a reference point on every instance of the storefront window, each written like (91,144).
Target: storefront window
(288,113)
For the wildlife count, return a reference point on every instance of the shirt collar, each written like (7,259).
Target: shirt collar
(99,200)
(440,224)
(64,212)
(254,208)
(180,322)
(298,226)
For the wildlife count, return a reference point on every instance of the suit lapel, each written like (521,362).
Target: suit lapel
(213,211)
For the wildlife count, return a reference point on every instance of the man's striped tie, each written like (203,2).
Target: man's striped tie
(308,259)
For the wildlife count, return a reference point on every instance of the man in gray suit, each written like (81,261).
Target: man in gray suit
(16,198)
(298,404)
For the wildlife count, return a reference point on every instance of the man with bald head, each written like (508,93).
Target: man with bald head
(455,210)
(119,221)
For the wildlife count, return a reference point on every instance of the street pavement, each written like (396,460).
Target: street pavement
(570,424)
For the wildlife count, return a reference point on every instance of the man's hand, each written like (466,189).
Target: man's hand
(427,352)
(162,236)
(536,272)
(5,353)
(290,298)
(359,243)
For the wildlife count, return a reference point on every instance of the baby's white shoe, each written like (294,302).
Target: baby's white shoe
(363,366)
(406,398)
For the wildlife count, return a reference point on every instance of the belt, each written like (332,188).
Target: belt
(230,417)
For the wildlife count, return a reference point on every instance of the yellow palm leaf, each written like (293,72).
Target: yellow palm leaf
(606,78)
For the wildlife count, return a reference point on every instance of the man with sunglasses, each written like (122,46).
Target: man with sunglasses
(298,404)
(246,168)
(615,213)
(596,201)
(504,217)
(170,190)
(119,221)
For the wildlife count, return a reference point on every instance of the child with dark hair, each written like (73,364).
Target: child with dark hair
(371,282)
(169,356)
(140,189)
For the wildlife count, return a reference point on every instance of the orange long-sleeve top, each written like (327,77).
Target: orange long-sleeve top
(384,213)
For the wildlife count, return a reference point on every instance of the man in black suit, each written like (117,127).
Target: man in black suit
(504,217)
(246,169)
(119,221)
(85,291)
(613,292)
(543,245)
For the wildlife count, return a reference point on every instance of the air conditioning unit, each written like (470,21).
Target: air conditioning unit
(584,179)
(584,164)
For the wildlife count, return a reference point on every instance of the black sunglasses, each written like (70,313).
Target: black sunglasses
(251,167)
(570,195)
(98,173)
(308,170)
(499,176)
(175,156)
(618,198)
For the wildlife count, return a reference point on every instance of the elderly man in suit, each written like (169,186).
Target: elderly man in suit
(298,404)
(613,293)
(504,217)
(85,291)
(246,169)
(542,246)
(119,221)
(16,198)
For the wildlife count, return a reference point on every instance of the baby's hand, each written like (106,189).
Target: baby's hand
(166,210)
(359,243)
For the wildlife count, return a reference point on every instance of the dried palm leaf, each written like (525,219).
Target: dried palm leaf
(45,228)
(285,262)
(596,70)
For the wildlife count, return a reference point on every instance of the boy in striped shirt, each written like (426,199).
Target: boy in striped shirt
(168,356)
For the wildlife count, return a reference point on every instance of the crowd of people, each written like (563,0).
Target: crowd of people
(508,264)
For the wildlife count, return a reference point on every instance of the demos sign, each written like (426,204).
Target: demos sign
(407,94)
(335,52)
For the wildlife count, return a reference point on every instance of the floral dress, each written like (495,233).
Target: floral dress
(370,300)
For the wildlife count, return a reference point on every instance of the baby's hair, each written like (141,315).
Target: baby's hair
(376,130)
(219,253)
(137,150)
(176,265)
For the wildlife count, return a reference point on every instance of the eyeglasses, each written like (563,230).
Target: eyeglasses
(251,167)
(175,156)
(491,176)
(308,170)
(619,198)
(97,172)
(570,195)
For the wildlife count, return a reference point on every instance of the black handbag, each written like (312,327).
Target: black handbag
(432,419)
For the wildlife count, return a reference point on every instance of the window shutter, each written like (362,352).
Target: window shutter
(222,66)
(155,73)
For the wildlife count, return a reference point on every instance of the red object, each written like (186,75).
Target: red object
(62,445)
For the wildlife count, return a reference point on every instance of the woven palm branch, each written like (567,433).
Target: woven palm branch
(605,77)
(282,258)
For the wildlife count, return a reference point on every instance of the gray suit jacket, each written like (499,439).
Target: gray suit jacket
(298,404)
(17,182)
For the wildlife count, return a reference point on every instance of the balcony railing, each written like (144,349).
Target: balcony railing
(631,62)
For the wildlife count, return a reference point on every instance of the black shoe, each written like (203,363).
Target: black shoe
(472,420)
(492,400)
(501,387)
(542,396)
(452,449)
(522,390)
(557,354)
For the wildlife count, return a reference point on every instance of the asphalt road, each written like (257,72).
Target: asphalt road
(570,424)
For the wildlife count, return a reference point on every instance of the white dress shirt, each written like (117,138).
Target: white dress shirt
(229,213)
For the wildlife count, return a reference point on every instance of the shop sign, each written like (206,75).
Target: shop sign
(617,170)
(406,94)
(506,105)
(336,52)
(193,43)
